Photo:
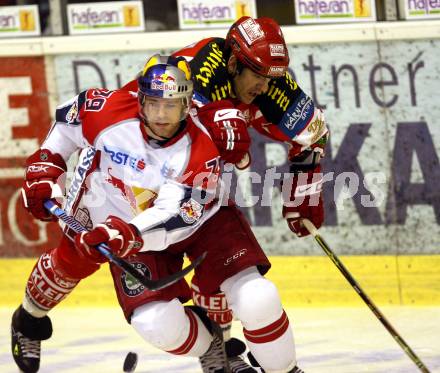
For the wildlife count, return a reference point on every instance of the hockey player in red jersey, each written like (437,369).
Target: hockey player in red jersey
(249,67)
(155,170)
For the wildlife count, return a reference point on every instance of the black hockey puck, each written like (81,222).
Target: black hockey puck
(130,362)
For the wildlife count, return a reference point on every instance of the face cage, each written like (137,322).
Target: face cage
(186,105)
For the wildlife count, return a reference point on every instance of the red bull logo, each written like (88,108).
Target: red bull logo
(126,191)
(191,211)
(139,199)
(164,82)
(164,78)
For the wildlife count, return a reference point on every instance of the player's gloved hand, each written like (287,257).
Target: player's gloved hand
(123,239)
(43,177)
(304,200)
(228,129)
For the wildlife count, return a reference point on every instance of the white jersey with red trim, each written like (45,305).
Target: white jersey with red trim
(165,188)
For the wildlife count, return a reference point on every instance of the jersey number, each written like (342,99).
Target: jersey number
(213,166)
(98,100)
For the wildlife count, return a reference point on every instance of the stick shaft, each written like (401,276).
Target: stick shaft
(379,315)
(72,223)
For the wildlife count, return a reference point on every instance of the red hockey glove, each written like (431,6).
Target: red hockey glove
(122,238)
(228,129)
(305,192)
(42,182)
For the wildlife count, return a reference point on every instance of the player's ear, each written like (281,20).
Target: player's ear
(232,65)
(186,106)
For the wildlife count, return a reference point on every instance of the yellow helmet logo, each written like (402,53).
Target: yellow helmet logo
(184,66)
(151,62)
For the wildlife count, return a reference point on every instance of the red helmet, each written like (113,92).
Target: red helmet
(259,44)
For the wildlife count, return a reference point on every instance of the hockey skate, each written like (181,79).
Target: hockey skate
(213,361)
(255,363)
(234,351)
(238,365)
(27,332)
(296,370)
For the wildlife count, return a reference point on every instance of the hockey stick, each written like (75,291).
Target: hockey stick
(411,354)
(73,224)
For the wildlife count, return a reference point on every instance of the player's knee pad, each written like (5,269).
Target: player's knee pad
(169,327)
(160,323)
(253,299)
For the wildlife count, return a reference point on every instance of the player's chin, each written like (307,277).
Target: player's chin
(160,127)
(161,124)
(248,98)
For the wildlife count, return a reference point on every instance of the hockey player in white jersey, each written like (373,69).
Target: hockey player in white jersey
(156,171)
(144,149)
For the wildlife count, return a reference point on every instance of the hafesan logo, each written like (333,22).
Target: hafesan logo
(21,20)
(202,14)
(322,11)
(120,16)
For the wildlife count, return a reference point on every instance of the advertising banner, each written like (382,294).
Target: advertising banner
(22,20)
(105,17)
(333,11)
(382,167)
(419,9)
(24,110)
(213,13)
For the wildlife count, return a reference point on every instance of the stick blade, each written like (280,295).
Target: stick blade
(177,276)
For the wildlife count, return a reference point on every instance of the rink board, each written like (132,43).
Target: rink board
(302,281)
